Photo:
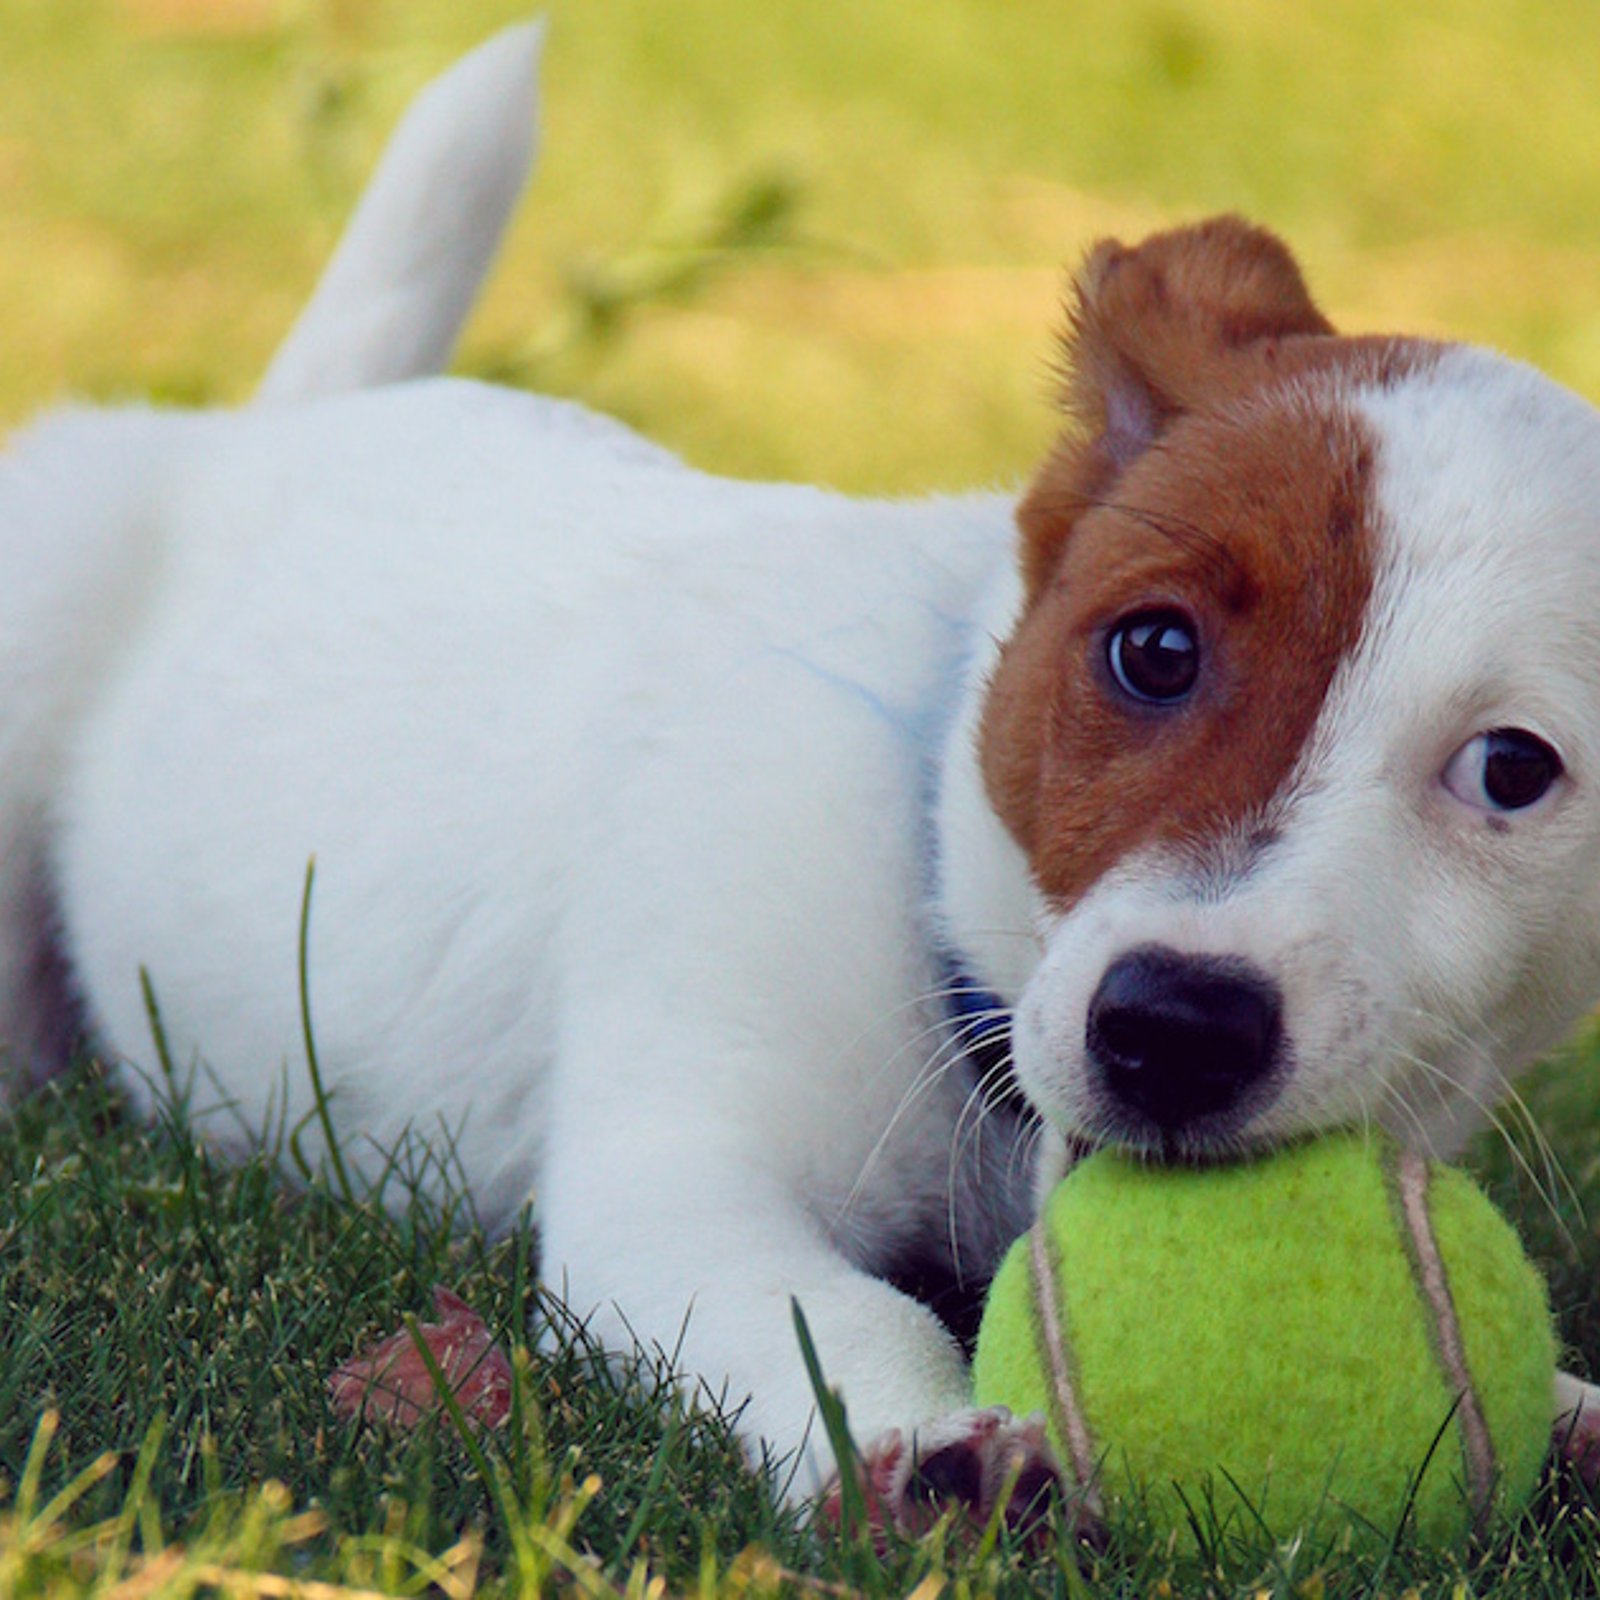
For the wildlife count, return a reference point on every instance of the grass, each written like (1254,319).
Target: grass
(801,240)
(158,1297)
(171,1319)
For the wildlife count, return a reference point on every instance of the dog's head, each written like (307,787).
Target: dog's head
(1295,739)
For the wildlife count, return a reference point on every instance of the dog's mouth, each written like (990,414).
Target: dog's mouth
(1183,1147)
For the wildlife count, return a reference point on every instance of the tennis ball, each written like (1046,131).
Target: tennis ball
(1342,1328)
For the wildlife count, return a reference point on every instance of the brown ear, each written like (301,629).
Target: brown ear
(1187,319)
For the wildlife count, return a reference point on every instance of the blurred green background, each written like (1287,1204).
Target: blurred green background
(804,238)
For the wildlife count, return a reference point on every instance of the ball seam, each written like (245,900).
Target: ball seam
(1051,1340)
(1410,1176)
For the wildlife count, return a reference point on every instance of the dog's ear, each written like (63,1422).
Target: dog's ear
(1187,319)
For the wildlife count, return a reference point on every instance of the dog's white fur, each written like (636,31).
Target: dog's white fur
(644,803)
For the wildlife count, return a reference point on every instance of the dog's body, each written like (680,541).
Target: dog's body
(537,757)
(672,834)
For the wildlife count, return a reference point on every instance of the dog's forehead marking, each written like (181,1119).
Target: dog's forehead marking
(1258,521)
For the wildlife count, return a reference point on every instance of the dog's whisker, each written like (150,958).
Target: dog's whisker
(1547,1186)
(1392,1096)
(951,1052)
(974,1106)
(1556,1174)
(1506,1093)
(980,1098)
(925,1080)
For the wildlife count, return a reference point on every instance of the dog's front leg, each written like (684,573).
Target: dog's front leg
(690,1242)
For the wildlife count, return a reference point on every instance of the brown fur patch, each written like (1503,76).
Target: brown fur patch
(1216,472)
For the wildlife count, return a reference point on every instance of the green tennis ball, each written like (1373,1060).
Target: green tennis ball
(1341,1329)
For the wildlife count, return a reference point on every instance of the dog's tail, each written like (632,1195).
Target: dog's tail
(392,301)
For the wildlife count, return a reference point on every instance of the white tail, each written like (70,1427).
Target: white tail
(391,302)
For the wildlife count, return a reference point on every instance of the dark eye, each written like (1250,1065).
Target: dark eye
(1505,769)
(1154,656)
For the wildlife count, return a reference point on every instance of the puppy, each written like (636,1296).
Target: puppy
(777,886)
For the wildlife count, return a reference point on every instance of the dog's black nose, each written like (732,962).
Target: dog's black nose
(1177,1038)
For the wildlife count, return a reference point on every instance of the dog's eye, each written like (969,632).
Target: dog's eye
(1154,656)
(1505,769)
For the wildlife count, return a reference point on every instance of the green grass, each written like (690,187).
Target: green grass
(183,1311)
(156,1293)
(819,241)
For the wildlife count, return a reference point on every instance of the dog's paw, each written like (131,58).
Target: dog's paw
(967,1463)
(391,1382)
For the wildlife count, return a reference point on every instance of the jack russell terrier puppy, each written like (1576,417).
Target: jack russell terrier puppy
(776,885)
